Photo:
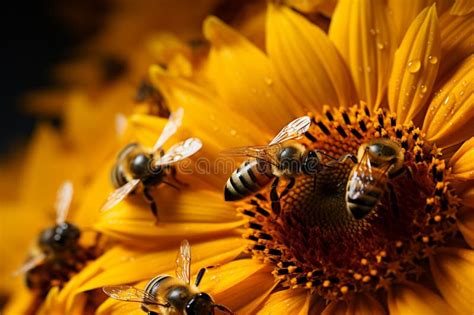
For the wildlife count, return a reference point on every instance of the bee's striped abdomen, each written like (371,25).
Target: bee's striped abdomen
(249,178)
(117,175)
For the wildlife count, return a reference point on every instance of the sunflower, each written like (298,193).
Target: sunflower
(411,253)
(383,71)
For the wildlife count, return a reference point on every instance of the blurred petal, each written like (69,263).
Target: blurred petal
(326,7)
(245,79)
(359,304)
(448,120)
(361,32)
(465,222)
(146,265)
(457,42)
(462,161)
(415,66)
(288,301)
(414,299)
(307,61)
(207,116)
(453,272)
(462,7)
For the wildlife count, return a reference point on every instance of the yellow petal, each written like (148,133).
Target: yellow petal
(307,61)
(240,285)
(289,301)
(359,304)
(404,12)
(414,299)
(146,265)
(20,302)
(467,197)
(206,115)
(449,117)
(465,222)
(360,31)
(457,41)
(462,161)
(311,6)
(415,66)
(462,7)
(243,76)
(453,272)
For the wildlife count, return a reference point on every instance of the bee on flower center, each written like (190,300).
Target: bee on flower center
(280,158)
(378,160)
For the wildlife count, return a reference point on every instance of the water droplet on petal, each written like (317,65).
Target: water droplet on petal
(433,60)
(461,93)
(424,88)
(380,46)
(268,81)
(446,100)
(414,66)
(233,132)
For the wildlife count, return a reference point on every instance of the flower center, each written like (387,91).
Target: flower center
(316,242)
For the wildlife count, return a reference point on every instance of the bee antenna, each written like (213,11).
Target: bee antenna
(223,308)
(199,276)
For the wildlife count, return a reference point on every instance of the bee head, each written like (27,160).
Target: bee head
(59,238)
(200,304)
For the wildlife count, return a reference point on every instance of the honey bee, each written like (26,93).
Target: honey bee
(136,164)
(280,158)
(59,254)
(378,160)
(165,294)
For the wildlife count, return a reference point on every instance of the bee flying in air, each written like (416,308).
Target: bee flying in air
(59,253)
(136,164)
(280,158)
(169,295)
(378,160)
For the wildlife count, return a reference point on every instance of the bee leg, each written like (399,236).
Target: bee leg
(275,199)
(199,276)
(223,308)
(288,187)
(344,158)
(149,198)
(175,178)
(393,201)
(171,185)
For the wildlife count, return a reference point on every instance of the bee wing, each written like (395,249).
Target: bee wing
(119,194)
(183,262)
(365,175)
(179,151)
(63,201)
(131,294)
(30,264)
(120,124)
(293,130)
(174,122)
(266,153)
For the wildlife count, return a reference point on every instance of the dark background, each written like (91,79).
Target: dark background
(35,36)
